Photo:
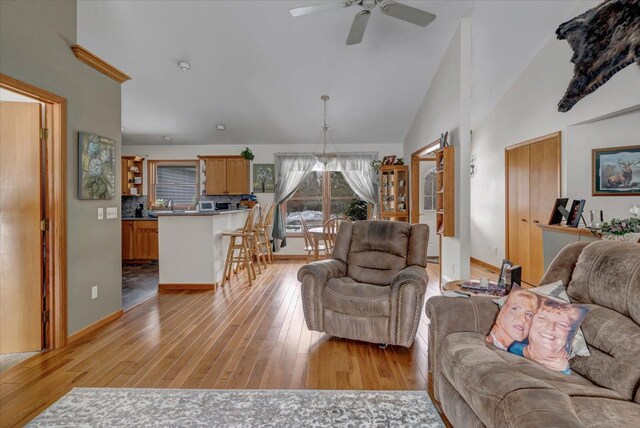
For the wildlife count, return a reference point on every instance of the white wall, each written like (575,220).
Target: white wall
(617,131)
(263,154)
(446,107)
(529,110)
(35,40)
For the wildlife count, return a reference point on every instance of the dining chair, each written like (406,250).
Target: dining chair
(310,241)
(330,230)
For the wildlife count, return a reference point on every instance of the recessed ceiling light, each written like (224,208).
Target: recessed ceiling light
(184,66)
(166,138)
(221,127)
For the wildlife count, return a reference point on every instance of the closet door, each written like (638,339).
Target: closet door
(518,209)
(544,188)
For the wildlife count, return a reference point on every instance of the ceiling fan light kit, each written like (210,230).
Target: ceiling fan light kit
(387,7)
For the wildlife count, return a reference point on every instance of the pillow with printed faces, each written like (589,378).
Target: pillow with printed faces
(538,328)
(557,291)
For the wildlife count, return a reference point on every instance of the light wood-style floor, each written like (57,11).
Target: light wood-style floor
(233,337)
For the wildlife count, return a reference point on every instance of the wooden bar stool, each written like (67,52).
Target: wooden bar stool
(239,255)
(263,229)
(256,247)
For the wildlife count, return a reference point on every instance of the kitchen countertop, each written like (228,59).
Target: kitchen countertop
(195,213)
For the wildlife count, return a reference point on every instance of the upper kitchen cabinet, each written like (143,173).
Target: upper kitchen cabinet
(132,175)
(226,175)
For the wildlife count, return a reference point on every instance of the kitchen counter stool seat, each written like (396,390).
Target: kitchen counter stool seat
(241,244)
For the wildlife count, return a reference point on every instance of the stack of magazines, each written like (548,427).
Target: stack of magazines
(492,288)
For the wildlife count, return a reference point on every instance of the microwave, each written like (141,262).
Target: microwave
(205,206)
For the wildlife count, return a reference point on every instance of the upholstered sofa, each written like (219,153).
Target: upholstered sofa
(479,385)
(372,289)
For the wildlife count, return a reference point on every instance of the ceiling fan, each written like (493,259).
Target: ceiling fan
(388,7)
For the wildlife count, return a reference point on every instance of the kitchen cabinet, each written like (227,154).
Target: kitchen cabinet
(139,240)
(226,175)
(132,175)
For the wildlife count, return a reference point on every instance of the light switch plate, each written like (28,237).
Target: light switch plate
(112,212)
(94,292)
(100,213)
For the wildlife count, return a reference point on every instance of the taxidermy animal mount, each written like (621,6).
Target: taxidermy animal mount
(604,40)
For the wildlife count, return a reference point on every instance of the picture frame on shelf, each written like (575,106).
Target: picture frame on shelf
(616,171)
(556,214)
(576,212)
(388,160)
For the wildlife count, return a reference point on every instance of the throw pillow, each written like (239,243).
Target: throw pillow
(557,290)
(536,327)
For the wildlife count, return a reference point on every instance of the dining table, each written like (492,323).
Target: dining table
(317,233)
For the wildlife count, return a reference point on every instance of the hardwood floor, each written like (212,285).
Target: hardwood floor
(139,282)
(233,337)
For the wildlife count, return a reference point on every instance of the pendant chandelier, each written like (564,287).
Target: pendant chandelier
(325,157)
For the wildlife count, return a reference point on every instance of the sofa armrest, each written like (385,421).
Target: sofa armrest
(407,292)
(313,278)
(455,314)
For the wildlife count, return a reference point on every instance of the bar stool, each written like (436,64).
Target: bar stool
(263,232)
(241,242)
(257,249)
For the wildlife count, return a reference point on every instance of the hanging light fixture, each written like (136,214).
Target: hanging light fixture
(323,157)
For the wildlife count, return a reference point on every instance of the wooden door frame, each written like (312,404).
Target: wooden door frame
(557,135)
(55,207)
(417,157)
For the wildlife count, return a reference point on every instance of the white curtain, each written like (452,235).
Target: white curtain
(357,172)
(291,169)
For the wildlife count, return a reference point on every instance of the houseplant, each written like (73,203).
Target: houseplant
(621,230)
(247,154)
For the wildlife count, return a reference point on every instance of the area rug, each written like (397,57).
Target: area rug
(110,407)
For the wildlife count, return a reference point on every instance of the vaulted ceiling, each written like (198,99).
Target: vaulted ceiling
(261,72)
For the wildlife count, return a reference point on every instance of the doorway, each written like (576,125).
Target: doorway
(423,195)
(32,218)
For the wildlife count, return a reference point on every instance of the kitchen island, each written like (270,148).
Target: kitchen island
(192,249)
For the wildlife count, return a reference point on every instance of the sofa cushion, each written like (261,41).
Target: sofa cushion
(614,341)
(599,412)
(484,375)
(347,296)
(378,251)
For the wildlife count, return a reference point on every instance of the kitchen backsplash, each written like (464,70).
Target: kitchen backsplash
(130,203)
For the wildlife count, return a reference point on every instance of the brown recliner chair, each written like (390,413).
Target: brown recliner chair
(373,287)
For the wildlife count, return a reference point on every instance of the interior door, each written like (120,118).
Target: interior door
(427,204)
(544,188)
(21,275)
(518,210)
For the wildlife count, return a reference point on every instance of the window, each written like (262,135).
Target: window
(320,196)
(175,180)
(430,190)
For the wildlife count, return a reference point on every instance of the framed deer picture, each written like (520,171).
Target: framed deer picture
(616,171)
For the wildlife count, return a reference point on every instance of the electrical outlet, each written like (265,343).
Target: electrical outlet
(94,292)
(100,213)
(495,250)
(112,212)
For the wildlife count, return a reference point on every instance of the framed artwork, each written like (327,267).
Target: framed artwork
(506,264)
(576,213)
(96,167)
(388,160)
(556,214)
(264,178)
(616,171)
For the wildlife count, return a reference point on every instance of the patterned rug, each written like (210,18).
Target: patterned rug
(109,407)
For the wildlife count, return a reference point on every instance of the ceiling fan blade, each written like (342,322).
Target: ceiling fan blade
(358,27)
(307,10)
(407,13)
